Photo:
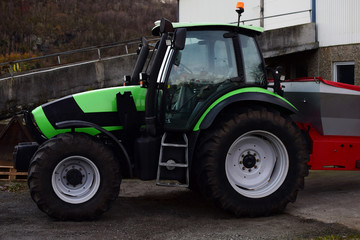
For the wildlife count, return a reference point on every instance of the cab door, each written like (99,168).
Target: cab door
(204,69)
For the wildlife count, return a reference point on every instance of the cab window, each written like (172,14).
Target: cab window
(252,61)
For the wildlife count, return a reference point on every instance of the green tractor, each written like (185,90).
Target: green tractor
(196,112)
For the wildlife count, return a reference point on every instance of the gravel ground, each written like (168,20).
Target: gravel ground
(144,211)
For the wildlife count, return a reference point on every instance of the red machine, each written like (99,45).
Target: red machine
(329,112)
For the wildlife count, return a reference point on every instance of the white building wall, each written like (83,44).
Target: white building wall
(338,22)
(213,10)
(278,7)
(224,12)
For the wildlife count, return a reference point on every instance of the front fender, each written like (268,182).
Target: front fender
(80,124)
(251,94)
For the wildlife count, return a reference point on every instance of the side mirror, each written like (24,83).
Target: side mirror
(277,78)
(166,26)
(278,71)
(180,37)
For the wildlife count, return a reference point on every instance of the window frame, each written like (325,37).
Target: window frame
(335,68)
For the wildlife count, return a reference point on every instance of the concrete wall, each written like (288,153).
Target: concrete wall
(30,90)
(288,40)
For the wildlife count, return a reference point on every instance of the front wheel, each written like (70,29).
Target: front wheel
(253,162)
(74,177)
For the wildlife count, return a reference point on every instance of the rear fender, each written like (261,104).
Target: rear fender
(250,96)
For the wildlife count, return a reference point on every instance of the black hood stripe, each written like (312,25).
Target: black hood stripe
(66,109)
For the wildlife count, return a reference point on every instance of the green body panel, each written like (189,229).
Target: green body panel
(232,93)
(104,100)
(97,101)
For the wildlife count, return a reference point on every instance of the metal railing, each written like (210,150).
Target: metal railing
(273,16)
(129,47)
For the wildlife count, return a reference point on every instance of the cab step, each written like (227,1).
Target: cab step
(173,167)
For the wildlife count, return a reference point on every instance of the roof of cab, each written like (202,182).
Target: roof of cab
(155,30)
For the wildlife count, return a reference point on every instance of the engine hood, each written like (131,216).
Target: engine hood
(99,107)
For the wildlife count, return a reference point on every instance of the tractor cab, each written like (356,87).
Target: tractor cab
(200,63)
(215,60)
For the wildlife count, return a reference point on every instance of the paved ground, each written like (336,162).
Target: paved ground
(329,205)
(330,197)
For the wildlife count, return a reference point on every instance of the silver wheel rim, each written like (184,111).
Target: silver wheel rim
(257,164)
(75,179)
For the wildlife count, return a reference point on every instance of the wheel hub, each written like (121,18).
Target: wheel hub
(249,161)
(256,164)
(74,177)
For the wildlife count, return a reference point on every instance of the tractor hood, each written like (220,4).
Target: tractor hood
(100,107)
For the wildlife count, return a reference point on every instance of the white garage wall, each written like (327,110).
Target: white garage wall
(224,12)
(215,11)
(338,22)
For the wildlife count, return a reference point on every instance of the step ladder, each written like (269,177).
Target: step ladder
(172,164)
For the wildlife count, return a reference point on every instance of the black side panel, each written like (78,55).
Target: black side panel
(67,109)
(23,153)
(250,97)
(146,157)
(130,118)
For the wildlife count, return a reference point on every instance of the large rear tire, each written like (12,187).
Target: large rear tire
(74,177)
(253,162)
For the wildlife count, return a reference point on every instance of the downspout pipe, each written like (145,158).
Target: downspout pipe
(313,11)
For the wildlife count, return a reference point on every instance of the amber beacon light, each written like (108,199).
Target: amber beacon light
(239,10)
(240,7)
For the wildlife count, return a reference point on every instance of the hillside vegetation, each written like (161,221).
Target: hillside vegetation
(38,27)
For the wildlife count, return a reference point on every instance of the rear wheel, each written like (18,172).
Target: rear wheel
(74,177)
(254,162)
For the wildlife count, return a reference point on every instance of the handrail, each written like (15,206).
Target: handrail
(278,15)
(81,50)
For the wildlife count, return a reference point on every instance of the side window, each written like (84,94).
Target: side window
(224,60)
(202,69)
(254,73)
